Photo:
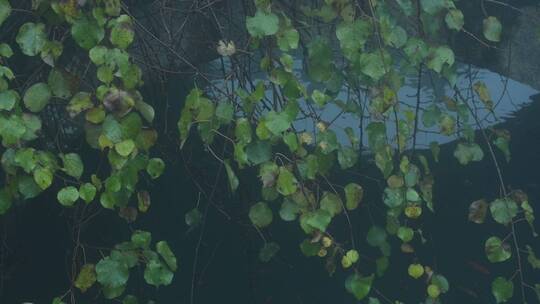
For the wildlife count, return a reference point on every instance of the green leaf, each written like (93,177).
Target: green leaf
(157,274)
(166,253)
(59,83)
(225,112)
(466,153)
(532,259)
(412,196)
(73,165)
(503,144)
(43,177)
(129,299)
(112,129)
(376,236)
(141,239)
(286,182)
(5,201)
(415,270)
(320,65)
(86,277)
(28,187)
(353,36)
(262,24)
(260,215)
(277,122)
(289,210)
(125,147)
(37,97)
(242,131)
(529,215)
(433,6)
(31,38)
(309,249)
(327,141)
(441,282)
(431,116)
(98,54)
(193,218)
(233,179)
(503,210)
(405,234)
(381,264)
(113,292)
(5,49)
(502,289)
(26,159)
(259,152)
(291,140)
(331,203)
(407,8)
(353,195)
(5,10)
(58,301)
(155,167)
(87,32)
(318,219)
(268,251)
(67,196)
(87,192)
(82,101)
(439,57)
(374,64)
(8,99)
(52,50)
(454,19)
(112,273)
(492,28)
(393,197)
(347,157)
(358,285)
(496,250)
(122,32)
(288,39)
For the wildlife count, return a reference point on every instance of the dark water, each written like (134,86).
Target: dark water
(35,262)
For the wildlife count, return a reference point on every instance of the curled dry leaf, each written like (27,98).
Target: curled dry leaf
(477,211)
(128,213)
(226,48)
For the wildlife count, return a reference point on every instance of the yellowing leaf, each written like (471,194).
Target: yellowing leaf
(483,93)
(416,270)
(86,277)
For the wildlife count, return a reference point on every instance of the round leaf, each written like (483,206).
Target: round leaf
(262,24)
(260,214)
(31,38)
(503,210)
(37,97)
(155,167)
(156,273)
(87,32)
(112,273)
(353,195)
(67,196)
(496,250)
(166,253)
(502,289)
(492,29)
(359,286)
(268,251)
(87,192)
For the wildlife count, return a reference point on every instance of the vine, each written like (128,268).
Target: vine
(318,63)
